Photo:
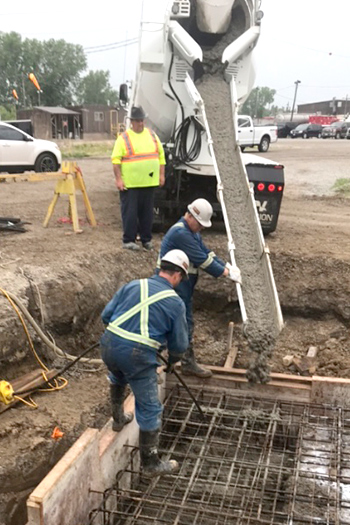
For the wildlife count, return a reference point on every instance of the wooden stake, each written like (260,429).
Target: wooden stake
(231,350)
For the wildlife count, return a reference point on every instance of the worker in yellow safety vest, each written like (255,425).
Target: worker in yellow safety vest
(138,163)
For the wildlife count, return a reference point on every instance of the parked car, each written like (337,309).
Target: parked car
(284,129)
(336,130)
(23,124)
(20,152)
(306,131)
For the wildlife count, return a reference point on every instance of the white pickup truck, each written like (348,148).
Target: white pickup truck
(250,135)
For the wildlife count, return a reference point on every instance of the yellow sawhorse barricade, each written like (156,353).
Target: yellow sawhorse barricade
(70,179)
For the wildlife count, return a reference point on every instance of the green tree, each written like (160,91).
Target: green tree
(95,88)
(7,112)
(56,64)
(257,102)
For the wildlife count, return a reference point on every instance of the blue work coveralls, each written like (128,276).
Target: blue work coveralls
(181,237)
(143,316)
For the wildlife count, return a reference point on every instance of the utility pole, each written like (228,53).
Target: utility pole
(24,92)
(297,82)
(256,103)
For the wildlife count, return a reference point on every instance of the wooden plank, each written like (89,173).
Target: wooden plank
(21,381)
(66,495)
(239,386)
(306,365)
(31,384)
(34,383)
(273,375)
(315,389)
(331,390)
(231,358)
(34,177)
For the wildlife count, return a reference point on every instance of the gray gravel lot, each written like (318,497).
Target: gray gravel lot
(311,165)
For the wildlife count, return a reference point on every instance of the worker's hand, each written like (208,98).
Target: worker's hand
(120,184)
(169,369)
(234,273)
(161,179)
(172,360)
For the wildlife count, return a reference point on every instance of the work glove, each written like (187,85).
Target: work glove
(234,273)
(169,369)
(172,359)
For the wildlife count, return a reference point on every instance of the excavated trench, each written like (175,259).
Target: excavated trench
(315,308)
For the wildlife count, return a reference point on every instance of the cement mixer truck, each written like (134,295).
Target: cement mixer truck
(181,42)
(195,70)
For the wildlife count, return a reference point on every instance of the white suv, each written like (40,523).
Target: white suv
(20,152)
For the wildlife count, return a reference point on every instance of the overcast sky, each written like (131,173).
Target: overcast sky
(300,40)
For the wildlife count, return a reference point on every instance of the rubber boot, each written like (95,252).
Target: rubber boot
(189,367)
(152,465)
(120,419)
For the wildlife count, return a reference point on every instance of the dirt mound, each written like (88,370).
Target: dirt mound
(65,280)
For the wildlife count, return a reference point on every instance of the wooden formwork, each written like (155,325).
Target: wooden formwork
(66,494)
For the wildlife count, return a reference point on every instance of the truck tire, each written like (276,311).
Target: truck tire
(46,162)
(264,144)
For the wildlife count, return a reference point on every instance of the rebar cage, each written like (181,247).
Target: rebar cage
(249,461)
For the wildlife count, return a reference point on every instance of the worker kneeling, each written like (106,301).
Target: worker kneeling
(143,316)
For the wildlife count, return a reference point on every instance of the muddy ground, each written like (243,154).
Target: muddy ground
(65,279)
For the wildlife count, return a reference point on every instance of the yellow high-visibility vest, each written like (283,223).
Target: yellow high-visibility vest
(140,158)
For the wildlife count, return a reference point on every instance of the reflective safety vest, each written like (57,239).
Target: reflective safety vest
(140,170)
(193,270)
(142,308)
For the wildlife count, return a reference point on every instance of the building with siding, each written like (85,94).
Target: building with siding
(336,106)
(52,123)
(95,122)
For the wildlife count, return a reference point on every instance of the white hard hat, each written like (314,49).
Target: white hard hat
(202,211)
(177,257)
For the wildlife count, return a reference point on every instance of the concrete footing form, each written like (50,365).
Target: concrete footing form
(269,454)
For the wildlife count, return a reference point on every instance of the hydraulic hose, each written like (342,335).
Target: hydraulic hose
(44,337)
(59,373)
(185,154)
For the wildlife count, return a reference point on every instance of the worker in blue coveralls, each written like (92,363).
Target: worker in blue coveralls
(143,316)
(184,235)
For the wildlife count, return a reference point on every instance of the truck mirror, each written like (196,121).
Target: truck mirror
(123,93)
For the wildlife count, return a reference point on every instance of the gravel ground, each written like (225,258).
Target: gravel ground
(66,279)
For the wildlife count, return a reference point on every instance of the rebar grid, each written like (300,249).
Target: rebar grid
(251,461)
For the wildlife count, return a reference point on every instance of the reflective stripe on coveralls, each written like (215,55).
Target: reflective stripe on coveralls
(141,307)
(191,269)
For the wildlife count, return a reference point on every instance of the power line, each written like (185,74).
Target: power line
(327,87)
(113,45)
(330,53)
